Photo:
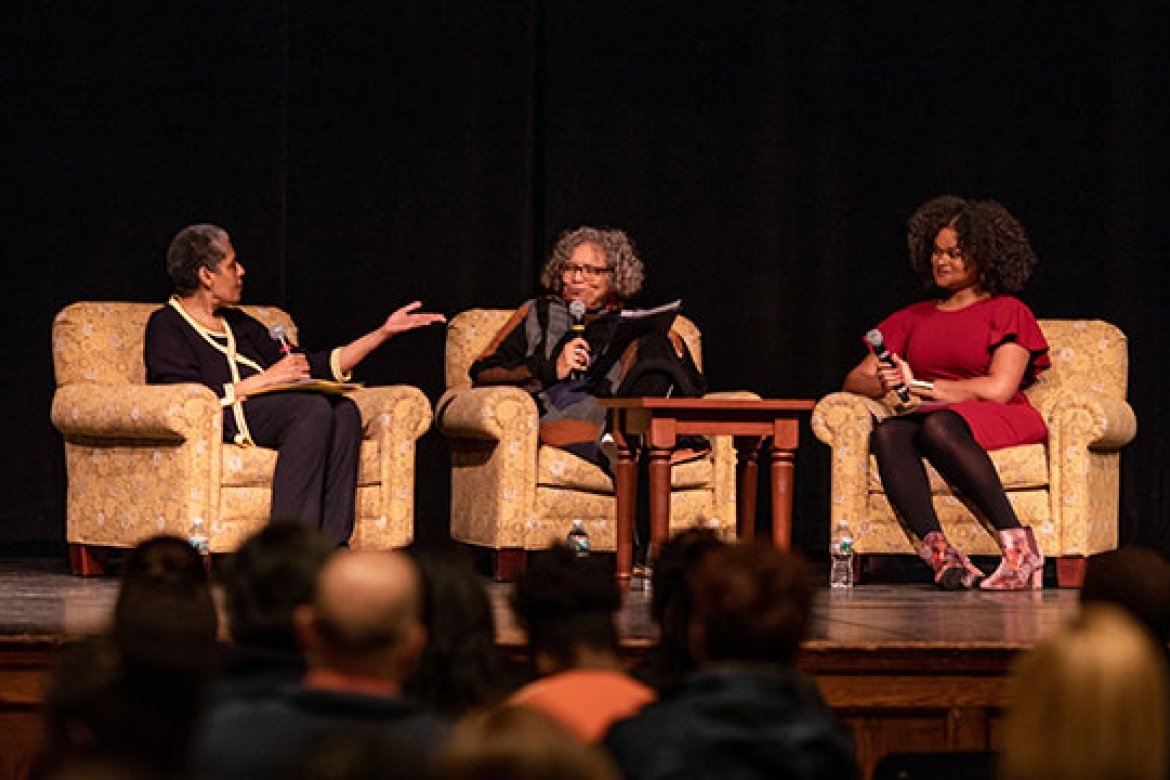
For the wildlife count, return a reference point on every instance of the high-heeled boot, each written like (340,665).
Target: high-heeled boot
(952,569)
(1022,565)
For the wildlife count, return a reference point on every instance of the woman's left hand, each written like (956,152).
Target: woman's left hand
(409,318)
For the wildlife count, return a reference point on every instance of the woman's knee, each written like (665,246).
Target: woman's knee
(945,429)
(889,436)
(310,412)
(347,418)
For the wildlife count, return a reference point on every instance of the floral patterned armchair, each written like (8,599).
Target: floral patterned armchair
(1066,488)
(145,459)
(512,494)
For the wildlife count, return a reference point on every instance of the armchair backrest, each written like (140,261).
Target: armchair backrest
(1087,355)
(469,334)
(100,342)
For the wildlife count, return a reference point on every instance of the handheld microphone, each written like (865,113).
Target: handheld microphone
(278,335)
(874,337)
(577,327)
(577,313)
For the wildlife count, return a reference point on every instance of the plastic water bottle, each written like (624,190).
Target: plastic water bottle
(578,539)
(197,537)
(841,554)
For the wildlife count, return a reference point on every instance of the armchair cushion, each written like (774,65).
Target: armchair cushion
(1020,468)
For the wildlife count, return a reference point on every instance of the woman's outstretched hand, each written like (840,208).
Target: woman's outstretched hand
(409,318)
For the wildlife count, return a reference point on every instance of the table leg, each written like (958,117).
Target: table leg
(747,449)
(783,471)
(625,498)
(659,497)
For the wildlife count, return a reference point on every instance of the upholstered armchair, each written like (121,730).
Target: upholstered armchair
(1066,488)
(145,459)
(511,494)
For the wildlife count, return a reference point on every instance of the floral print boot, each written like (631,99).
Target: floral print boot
(952,569)
(1022,566)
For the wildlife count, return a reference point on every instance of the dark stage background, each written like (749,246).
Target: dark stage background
(764,155)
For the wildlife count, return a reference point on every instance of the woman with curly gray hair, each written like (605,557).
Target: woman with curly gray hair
(960,360)
(550,343)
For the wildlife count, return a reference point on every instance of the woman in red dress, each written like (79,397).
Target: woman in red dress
(964,356)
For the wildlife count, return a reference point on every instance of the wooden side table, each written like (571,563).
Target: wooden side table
(662,420)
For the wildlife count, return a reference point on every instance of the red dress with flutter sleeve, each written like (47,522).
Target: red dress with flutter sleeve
(958,345)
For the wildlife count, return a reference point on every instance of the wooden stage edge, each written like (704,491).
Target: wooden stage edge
(905,667)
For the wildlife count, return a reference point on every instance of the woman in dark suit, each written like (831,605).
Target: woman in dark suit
(199,336)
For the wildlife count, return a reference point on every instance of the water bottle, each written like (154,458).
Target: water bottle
(841,555)
(197,537)
(578,539)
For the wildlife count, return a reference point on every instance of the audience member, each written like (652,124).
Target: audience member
(363,636)
(1136,579)
(84,708)
(1089,702)
(747,712)
(363,755)
(567,606)
(132,699)
(460,667)
(264,581)
(666,664)
(520,743)
(165,627)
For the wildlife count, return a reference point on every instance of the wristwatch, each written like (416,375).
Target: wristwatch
(922,386)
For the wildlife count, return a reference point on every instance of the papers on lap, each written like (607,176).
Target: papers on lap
(326,386)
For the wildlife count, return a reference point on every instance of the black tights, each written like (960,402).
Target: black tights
(944,439)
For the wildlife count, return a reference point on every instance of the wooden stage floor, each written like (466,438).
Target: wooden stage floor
(905,666)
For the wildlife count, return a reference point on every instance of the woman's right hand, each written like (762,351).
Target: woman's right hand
(574,357)
(892,376)
(291,368)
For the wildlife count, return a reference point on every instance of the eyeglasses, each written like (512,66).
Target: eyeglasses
(954,252)
(588,271)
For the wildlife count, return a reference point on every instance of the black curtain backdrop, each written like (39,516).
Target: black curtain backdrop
(764,155)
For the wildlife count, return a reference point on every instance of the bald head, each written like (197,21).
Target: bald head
(366,611)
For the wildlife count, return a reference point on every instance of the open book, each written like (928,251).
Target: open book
(326,386)
(630,325)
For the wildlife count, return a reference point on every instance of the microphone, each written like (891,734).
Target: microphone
(278,335)
(577,313)
(577,327)
(874,337)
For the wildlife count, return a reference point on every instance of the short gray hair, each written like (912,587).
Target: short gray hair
(192,248)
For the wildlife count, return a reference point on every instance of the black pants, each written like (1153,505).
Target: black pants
(318,438)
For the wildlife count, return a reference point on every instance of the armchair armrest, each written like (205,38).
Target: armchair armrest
(1090,421)
(158,412)
(841,418)
(499,412)
(844,421)
(494,440)
(395,410)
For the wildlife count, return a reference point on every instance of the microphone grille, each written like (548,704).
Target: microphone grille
(277,332)
(577,309)
(874,337)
